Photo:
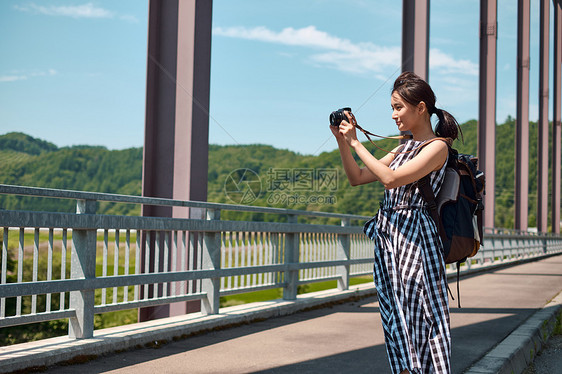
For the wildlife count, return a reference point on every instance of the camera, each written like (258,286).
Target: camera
(337,116)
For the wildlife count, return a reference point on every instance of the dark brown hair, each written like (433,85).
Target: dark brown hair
(414,90)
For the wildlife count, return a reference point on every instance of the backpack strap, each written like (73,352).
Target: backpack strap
(426,191)
(429,197)
(423,183)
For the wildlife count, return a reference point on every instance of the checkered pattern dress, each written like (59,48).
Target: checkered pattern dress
(409,275)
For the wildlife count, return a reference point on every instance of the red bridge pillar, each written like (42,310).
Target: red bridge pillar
(522,120)
(487,104)
(556,120)
(542,182)
(177,114)
(415,37)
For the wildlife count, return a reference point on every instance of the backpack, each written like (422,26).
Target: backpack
(457,209)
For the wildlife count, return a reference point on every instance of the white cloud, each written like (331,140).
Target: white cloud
(49,72)
(307,36)
(88,10)
(341,53)
(448,64)
(366,58)
(344,55)
(12,78)
(456,93)
(22,75)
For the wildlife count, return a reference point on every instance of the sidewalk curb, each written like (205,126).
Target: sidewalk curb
(516,352)
(36,356)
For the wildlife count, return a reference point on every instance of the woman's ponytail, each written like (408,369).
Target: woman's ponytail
(447,126)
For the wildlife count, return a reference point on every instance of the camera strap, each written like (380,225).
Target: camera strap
(400,137)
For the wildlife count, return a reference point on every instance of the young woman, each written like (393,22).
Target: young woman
(409,269)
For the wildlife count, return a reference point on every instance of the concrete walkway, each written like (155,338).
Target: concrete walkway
(348,338)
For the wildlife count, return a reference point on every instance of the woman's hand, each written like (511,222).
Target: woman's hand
(345,131)
(337,134)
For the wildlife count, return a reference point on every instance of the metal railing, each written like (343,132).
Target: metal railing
(75,265)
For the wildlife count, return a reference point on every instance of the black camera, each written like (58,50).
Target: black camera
(337,116)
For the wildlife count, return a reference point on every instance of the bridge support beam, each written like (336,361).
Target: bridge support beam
(176,143)
(487,103)
(556,120)
(542,149)
(415,37)
(522,120)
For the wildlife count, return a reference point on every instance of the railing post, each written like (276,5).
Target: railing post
(211,260)
(291,256)
(344,253)
(83,266)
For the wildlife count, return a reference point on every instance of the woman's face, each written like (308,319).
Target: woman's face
(403,113)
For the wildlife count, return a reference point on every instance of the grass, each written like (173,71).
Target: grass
(558,328)
(277,293)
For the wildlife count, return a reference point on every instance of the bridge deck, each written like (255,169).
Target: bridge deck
(348,337)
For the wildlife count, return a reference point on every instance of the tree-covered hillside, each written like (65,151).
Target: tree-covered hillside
(28,161)
(248,174)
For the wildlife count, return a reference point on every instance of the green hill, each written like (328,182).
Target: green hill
(287,179)
(17,148)
(28,161)
(22,143)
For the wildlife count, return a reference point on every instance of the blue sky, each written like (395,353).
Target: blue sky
(74,72)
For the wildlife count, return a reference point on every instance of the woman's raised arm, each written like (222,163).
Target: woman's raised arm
(355,174)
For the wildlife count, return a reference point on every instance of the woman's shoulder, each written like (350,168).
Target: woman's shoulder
(439,140)
(436,143)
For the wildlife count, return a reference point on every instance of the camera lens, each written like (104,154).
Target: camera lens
(334,119)
(337,116)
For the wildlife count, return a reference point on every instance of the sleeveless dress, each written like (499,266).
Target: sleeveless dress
(409,274)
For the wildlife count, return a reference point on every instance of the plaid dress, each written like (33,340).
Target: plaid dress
(409,274)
